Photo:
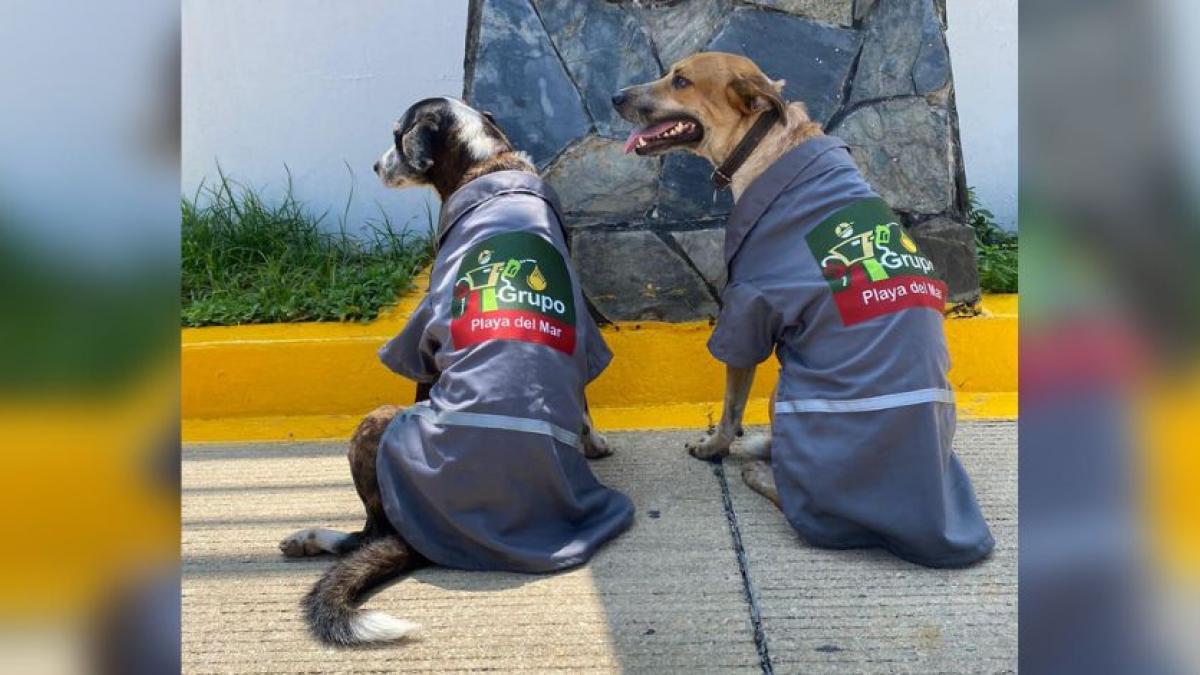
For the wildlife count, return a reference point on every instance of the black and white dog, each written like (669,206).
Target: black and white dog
(489,472)
(444,143)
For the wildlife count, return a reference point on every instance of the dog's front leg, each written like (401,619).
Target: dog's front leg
(595,445)
(737,390)
(758,445)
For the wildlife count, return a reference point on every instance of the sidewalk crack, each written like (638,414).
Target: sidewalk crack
(735,533)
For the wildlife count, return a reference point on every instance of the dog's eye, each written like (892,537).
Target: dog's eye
(680,82)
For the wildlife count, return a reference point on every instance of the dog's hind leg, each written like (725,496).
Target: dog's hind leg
(761,479)
(757,445)
(364,447)
(317,541)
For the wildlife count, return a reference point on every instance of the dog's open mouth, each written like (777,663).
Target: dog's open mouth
(665,134)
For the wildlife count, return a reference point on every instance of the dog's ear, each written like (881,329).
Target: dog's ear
(416,145)
(753,93)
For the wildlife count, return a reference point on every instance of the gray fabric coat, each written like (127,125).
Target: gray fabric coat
(488,473)
(822,274)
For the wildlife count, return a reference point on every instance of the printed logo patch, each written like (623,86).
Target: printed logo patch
(513,286)
(872,264)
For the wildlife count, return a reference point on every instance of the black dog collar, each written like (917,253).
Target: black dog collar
(722,176)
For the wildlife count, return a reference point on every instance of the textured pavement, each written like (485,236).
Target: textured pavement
(667,596)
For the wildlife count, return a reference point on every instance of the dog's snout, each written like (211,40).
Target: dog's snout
(618,99)
(375,167)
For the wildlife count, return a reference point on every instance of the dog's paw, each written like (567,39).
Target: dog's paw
(314,541)
(301,544)
(713,446)
(759,477)
(595,445)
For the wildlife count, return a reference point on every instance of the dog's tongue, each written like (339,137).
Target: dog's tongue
(646,132)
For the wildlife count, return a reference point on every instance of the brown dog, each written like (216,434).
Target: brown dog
(705,105)
(824,276)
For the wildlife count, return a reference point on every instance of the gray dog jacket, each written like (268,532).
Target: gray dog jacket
(488,473)
(822,273)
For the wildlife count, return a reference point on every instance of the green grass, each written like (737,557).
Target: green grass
(996,250)
(74,330)
(248,260)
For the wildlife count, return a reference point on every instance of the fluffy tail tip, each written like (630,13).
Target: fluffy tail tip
(381,627)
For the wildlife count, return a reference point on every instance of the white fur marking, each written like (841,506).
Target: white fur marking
(389,169)
(389,159)
(311,541)
(381,627)
(328,540)
(474,134)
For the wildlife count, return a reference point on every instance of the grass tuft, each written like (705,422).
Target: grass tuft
(247,260)
(996,250)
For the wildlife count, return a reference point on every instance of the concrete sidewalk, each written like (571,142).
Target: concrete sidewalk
(667,596)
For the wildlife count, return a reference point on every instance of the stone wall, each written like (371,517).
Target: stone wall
(647,233)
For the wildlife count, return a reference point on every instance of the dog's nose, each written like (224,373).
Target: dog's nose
(375,167)
(618,98)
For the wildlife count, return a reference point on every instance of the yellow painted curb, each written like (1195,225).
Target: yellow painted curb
(1170,468)
(299,380)
(971,406)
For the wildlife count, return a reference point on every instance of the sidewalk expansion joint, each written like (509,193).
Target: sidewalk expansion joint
(735,533)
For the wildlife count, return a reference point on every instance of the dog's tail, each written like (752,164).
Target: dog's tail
(331,606)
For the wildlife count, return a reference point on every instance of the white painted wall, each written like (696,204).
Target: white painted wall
(982,36)
(315,85)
